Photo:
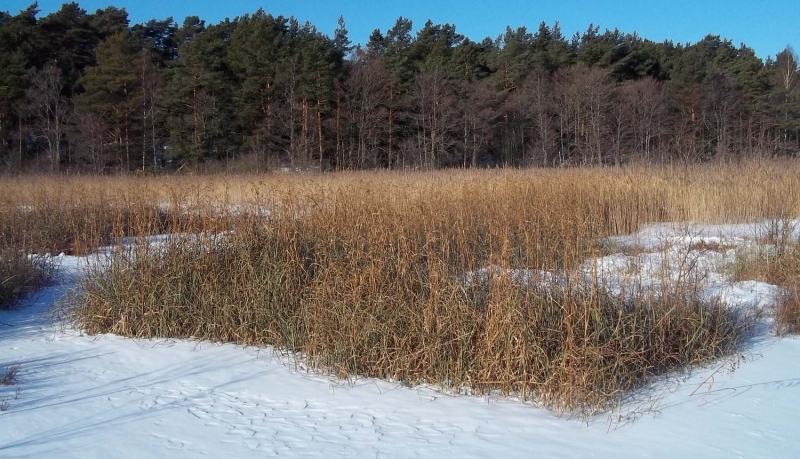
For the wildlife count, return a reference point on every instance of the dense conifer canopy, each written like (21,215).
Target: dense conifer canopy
(83,91)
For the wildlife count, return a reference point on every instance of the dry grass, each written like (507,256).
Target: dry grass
(787,313)
(777,264)
(767,264)
(20,274)
(9,376)
(77,215)
(364,273)
(572,348)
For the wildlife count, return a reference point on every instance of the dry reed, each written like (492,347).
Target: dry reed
(364,273)
(778,264)
(21,274)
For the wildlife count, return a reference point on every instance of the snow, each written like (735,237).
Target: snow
(108,396)
(218,210)
(663,254)
(697,254)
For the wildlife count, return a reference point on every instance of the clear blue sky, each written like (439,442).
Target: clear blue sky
(765,25)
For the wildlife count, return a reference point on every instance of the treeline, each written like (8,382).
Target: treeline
(89,92)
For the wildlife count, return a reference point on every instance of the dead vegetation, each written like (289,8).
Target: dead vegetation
(363,273)
(778,266)
(9,376)
(21,274)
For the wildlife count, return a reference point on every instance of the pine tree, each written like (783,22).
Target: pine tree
(160,37)
(18,37)
(259,50)
(514,58)
(786,100)
(68,38)
(111,90)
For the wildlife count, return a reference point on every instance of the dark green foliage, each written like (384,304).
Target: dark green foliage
(110,90)
(158,95)
(160,36)
(198,96)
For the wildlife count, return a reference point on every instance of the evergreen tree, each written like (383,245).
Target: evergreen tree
(514,59)
(160,37)
(198,95)
(341,39)
(290,94)
(18,35)
(550,48)
(110,21)
(433,46)
(259,50)
(111,90)
(470,60)
(69,39)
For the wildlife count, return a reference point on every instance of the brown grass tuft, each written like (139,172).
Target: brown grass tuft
(778,265)
(20,274)
(787,313)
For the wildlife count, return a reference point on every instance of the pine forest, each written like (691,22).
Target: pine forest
(85,92)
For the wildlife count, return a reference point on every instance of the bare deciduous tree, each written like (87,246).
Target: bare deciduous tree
(151,82)
(637,119)
(367,97)
(47,107)
(540,87)
(89,131)
(436,116)
(479,111)
(582,97)
(788,82)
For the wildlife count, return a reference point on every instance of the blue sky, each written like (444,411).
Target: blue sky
(765,25)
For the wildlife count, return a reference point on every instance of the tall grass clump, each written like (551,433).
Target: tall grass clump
(406,276)
(21,274)
(777,263)
(572,347)
(78,215)
(787,312)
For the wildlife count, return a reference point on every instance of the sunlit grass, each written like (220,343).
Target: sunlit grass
(364,273)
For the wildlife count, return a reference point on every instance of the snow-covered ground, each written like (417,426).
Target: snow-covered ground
(107,396)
